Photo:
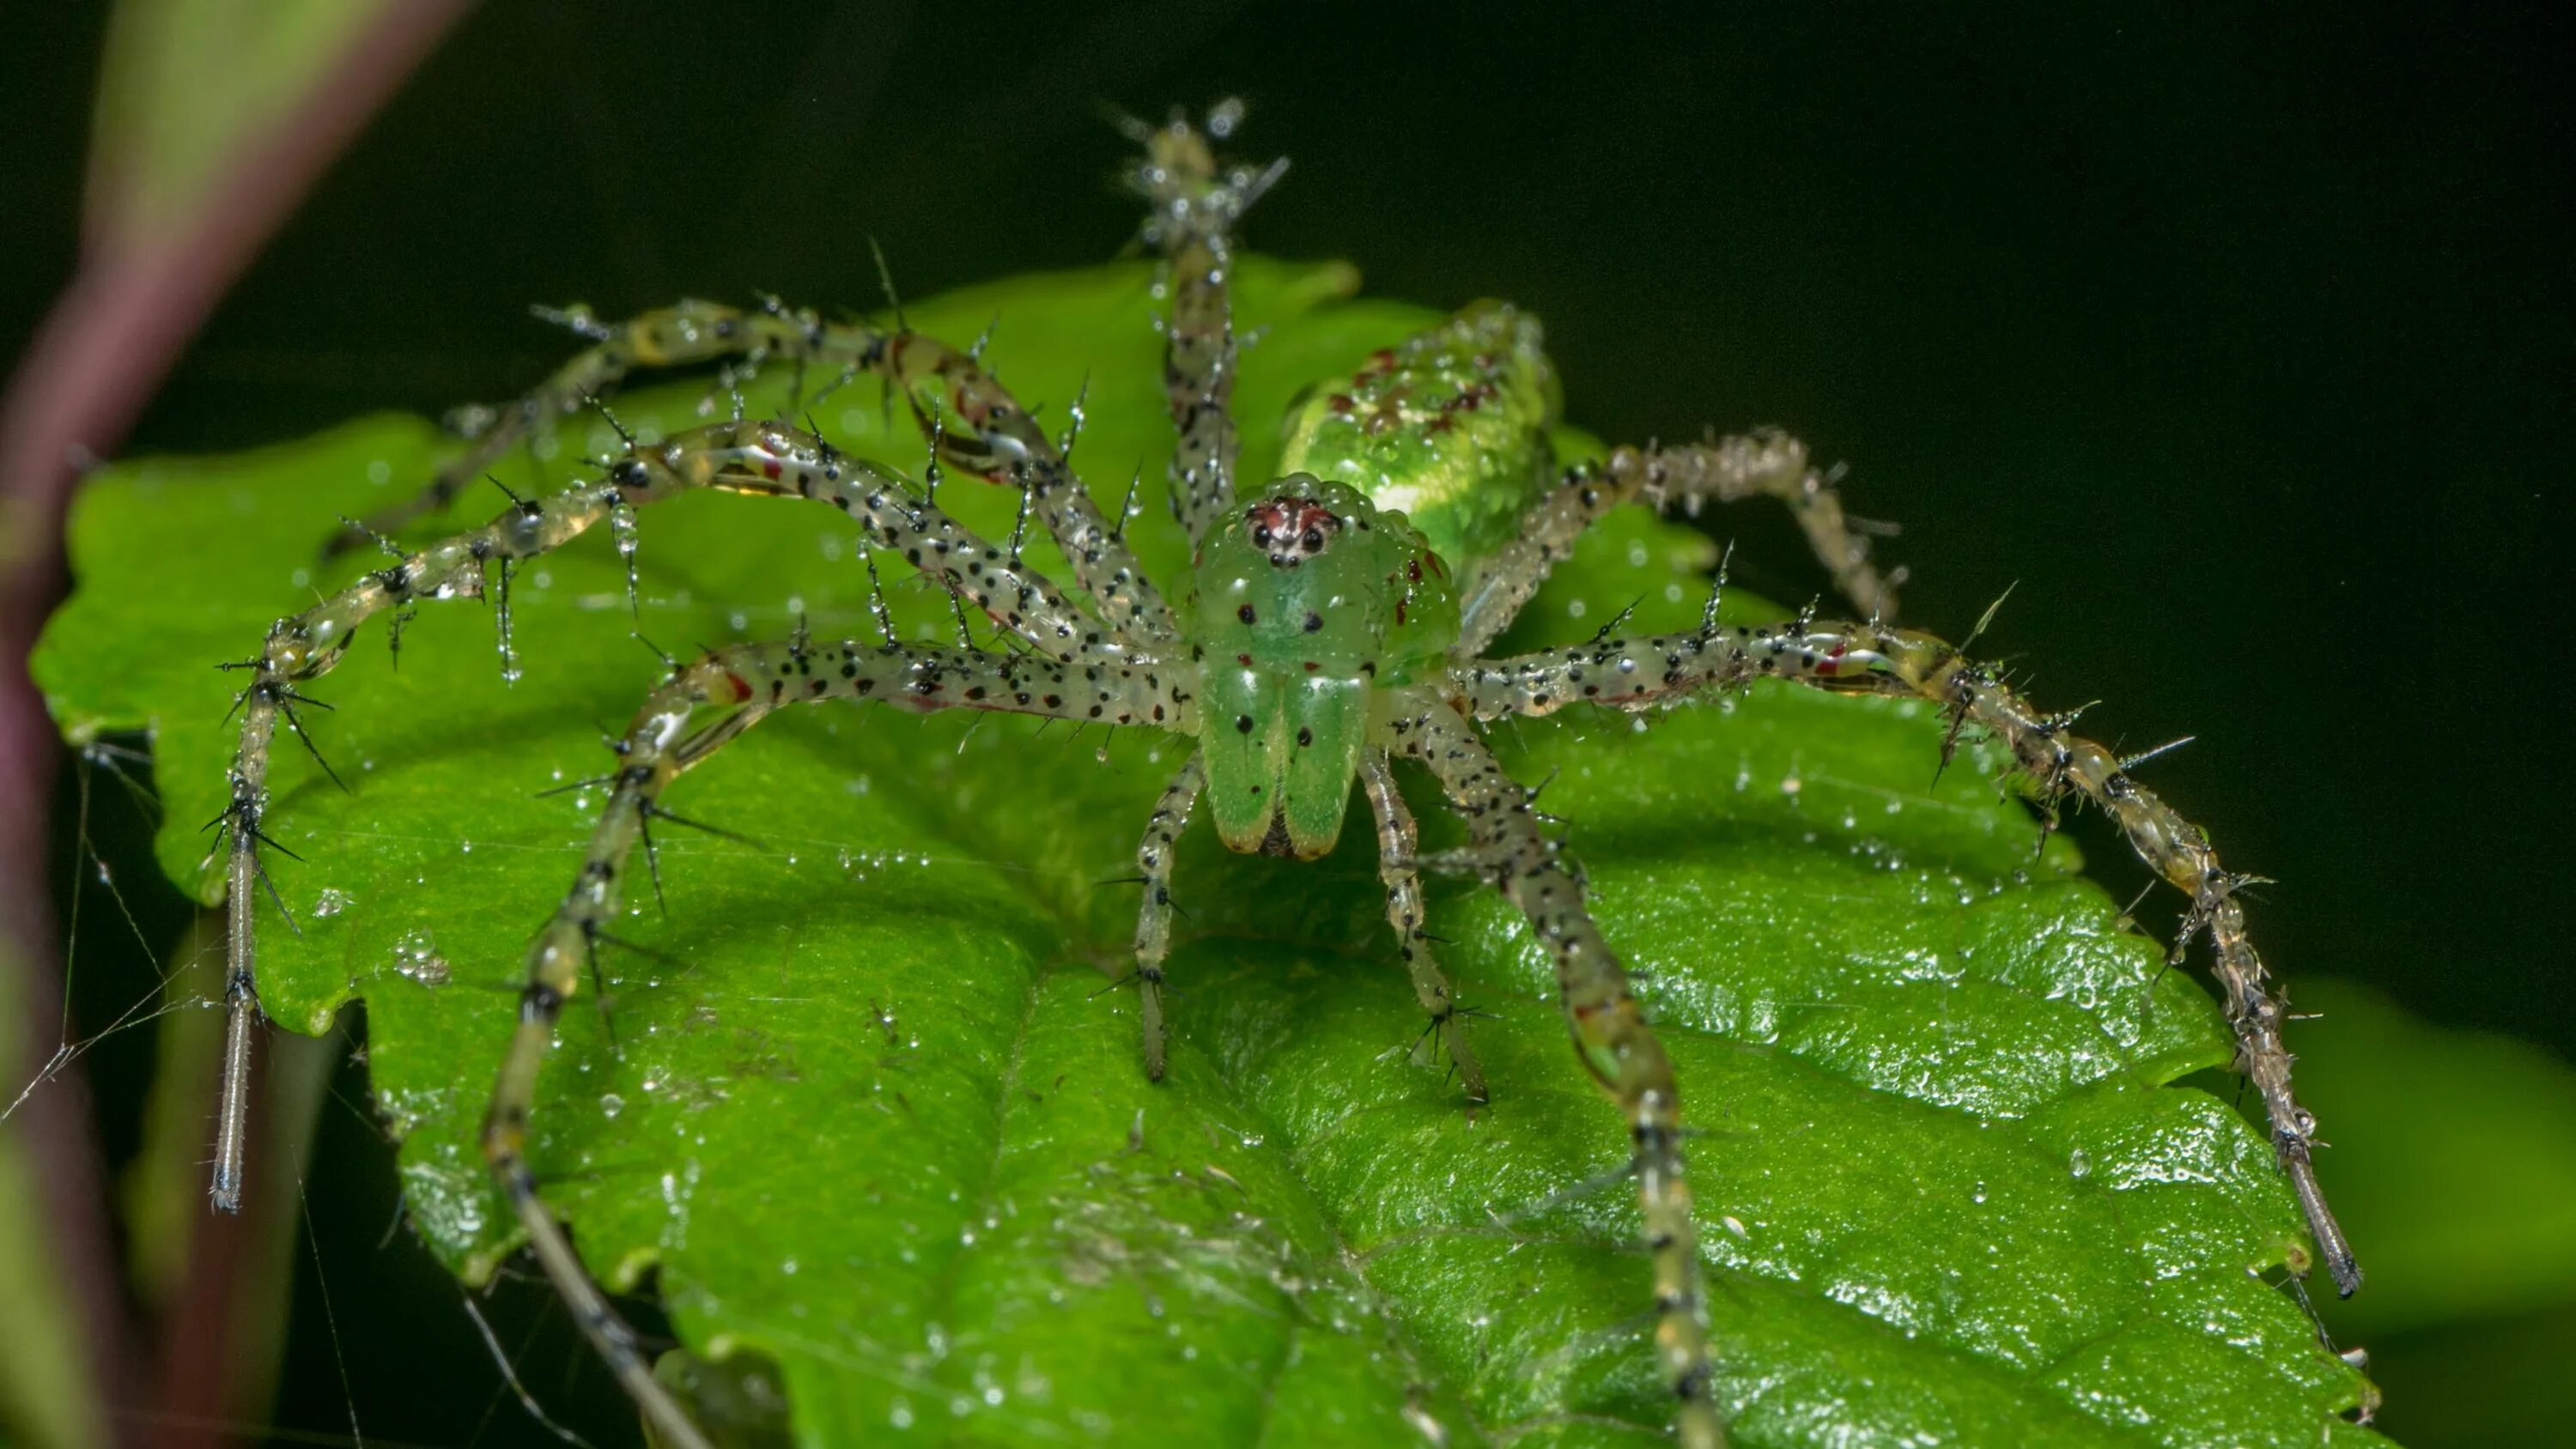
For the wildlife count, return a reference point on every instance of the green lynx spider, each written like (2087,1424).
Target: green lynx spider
(1333,625)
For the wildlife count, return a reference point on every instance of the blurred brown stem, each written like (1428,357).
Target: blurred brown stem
(97,359)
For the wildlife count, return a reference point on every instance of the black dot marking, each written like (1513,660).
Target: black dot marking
(1314,622)
(1243,724)
(1305,736)
(1245,614)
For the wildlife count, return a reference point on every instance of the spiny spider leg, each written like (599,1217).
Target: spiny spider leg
(1192,209)
(1000,441)
(306,647)
(1764,462)
(1610,1032)
(1398,847)
(675,336)
(751,680)
(1873,659)
(762,458)
(982,429)
(773,459)
(1154,915)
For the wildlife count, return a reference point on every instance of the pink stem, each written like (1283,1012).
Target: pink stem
(98,358)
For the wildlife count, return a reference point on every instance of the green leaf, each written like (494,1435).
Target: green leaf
(2454,1159)
(876,1118)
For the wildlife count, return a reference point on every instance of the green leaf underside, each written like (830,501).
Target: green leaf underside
(875,1117)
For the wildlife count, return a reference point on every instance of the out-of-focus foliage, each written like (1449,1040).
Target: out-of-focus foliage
(186,85)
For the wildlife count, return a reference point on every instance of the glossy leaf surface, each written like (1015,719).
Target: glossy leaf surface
(871,1112)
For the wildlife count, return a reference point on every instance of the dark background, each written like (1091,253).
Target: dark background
(2242,341)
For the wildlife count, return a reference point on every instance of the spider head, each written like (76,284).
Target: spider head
(1305,601)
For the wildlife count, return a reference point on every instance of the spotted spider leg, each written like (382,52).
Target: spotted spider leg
(1610,1033)
(675,336)
(999,441)
(306,647)
(982,429)
(1398,847)
(1154,916)
(1766,462)
(762,458)
(1192,209)
(752,680)
(1874,659)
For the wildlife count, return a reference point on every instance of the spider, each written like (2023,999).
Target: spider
(1334,632)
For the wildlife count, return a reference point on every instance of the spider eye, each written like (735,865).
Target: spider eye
(1312,539)
(1261,535)
(630,474)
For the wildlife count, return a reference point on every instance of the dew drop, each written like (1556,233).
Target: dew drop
(416,956)
(331,902)
(610,1104)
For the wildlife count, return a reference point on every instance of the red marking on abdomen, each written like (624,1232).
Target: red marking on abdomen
(1831,662)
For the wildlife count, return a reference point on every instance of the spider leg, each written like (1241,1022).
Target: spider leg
(675,336)
(1875,659)
(306,647)
(1764,463)
(1192,207)
(749,681)
(1154,917)
(982,429)
(760,458)
(1610,1032)
(779,461)
(1398,847)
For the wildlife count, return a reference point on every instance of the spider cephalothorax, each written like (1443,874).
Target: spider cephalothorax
(1306,604)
